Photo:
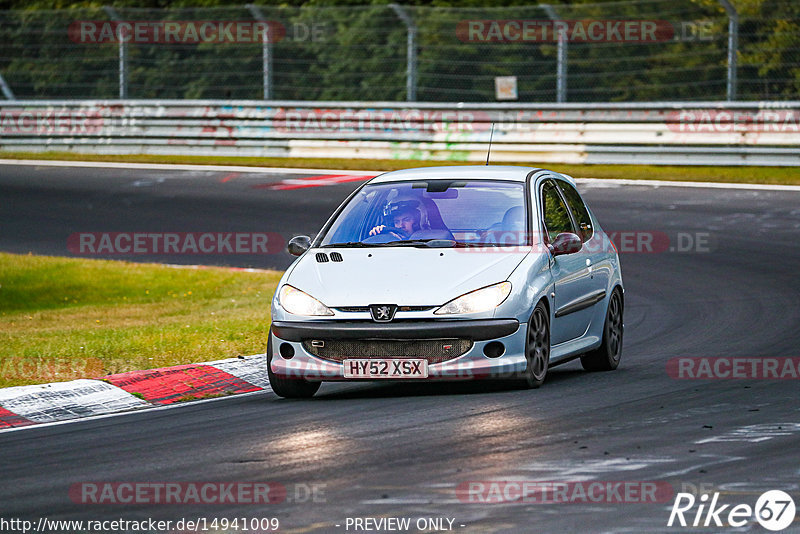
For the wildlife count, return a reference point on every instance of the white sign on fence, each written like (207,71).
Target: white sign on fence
(505,87)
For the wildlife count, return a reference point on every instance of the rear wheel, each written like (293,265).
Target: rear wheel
(289,388)
(606,357)
(537,348)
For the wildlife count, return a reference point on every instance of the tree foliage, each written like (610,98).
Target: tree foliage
(356,50)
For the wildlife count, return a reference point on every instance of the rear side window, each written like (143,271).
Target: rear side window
(556,216)
(579,210)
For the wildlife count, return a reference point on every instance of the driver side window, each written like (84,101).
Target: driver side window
(556,216)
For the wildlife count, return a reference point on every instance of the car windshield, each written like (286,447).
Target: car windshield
(432,212)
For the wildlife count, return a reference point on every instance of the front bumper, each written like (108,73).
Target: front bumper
(480,330)
(473,364)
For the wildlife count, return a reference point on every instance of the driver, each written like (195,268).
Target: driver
(406,219)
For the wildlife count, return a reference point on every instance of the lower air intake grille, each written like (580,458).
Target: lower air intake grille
(433,350)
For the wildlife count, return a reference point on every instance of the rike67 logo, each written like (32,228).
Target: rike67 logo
(774,510)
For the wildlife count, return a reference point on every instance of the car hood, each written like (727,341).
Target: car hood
(407,276)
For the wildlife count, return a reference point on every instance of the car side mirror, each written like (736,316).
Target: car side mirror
(566,243)
(298,245)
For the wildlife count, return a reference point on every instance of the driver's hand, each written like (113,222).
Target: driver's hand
(378,229)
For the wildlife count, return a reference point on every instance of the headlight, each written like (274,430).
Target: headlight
(298,303)
(477,301)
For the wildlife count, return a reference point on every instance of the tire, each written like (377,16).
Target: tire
(606,357)
(537,348)
(288,388)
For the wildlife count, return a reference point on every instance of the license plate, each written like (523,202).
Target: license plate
(379,368)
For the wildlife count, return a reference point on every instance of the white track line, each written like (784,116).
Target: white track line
(151,408)
(667,183)
(273,170)
(179,167)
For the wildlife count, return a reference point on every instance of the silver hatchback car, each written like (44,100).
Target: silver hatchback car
(449,273)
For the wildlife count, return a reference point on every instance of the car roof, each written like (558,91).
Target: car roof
(476,172)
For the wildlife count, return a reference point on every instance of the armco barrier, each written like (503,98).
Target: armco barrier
(696,133)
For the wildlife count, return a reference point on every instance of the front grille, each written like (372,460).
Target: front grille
(433,350)
(399,308)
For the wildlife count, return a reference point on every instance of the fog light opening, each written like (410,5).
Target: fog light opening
(287,351)
(495,349)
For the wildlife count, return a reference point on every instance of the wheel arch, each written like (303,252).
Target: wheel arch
(618,286)
(546,300)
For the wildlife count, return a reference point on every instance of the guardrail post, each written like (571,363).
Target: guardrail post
(7,92)
(733,47)
(266,51)
(123,55)
(411,52)
(561,55)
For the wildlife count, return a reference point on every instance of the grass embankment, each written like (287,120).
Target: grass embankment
(62,318)
(754,175)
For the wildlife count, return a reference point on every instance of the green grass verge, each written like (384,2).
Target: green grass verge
(64,318)
(755,175)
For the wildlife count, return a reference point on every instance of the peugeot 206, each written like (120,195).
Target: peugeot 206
(449,273)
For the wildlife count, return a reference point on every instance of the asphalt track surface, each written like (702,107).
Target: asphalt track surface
(401,450)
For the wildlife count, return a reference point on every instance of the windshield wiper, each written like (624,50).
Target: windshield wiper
(463,244)
(405,242)
(401,242)
(349,244)
(432,243)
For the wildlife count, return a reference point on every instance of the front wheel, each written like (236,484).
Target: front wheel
(537,348)
(289,388)
(606,357)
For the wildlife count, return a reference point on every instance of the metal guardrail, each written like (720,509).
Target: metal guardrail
(697,133)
